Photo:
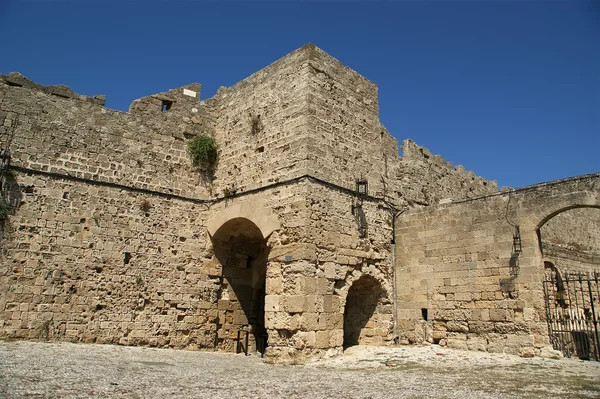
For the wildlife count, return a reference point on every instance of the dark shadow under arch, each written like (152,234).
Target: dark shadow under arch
(364,296)
(242,252)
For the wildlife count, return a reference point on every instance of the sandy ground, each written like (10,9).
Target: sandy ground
(63,370)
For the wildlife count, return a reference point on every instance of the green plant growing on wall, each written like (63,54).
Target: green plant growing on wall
(203,151)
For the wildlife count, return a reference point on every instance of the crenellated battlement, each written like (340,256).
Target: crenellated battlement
(17,80)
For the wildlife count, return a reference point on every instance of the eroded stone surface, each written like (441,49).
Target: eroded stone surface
(114,236)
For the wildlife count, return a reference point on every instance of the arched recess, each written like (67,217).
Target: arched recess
(367,314)
(569,238)
(241,249)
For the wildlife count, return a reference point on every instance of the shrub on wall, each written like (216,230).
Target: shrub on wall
(203,151)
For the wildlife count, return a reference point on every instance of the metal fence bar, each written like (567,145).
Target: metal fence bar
(572,313)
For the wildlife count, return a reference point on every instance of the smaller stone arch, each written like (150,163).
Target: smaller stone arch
(368,315)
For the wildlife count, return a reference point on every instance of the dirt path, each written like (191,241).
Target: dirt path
(62,370)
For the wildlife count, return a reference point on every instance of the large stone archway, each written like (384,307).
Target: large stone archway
(570,238)
(242,252)
(239,236)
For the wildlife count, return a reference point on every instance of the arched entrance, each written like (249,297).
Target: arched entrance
(242,251)
(366,315)
(569,241)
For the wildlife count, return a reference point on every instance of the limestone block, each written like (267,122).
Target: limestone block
(457,326)
(438,335)
(549,352)
(295,322)
(336,338)
(498,314)
(332,304)
(301,267)
(348,260)
(294,252)
(463,296)
(334,320)
(309,337)
(309,285)
(456,343)
(324,286)
(310,321)
(274,285)
(480,315)
(313,303)
(476,343)
(334,271)
(527,352)
(239,317)
(272,303)
(529,314)
(322,339)
(294,303)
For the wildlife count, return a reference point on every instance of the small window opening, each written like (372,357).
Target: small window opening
(126,258)
(166,105)
(424,313)
(261,149)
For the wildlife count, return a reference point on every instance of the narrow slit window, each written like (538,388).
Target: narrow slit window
(166,105)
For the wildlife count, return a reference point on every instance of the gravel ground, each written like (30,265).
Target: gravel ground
(63,370)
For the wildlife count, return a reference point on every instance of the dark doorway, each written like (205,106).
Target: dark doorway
(242,251)
(362,322)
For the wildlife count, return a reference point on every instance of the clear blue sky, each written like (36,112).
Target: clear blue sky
(509,89)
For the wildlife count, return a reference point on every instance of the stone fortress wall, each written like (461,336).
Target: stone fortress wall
(114,236)
(462,282)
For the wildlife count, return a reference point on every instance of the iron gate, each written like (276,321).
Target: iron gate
(572,313)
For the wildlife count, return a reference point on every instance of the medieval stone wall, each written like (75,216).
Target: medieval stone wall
(108,241)
(112,266)
(84,140)
(261,126)
(427,179)
(350,143)
(461,283)
(114,236)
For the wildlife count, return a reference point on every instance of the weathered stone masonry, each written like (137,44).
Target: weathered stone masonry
(115,237)
(457,262)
